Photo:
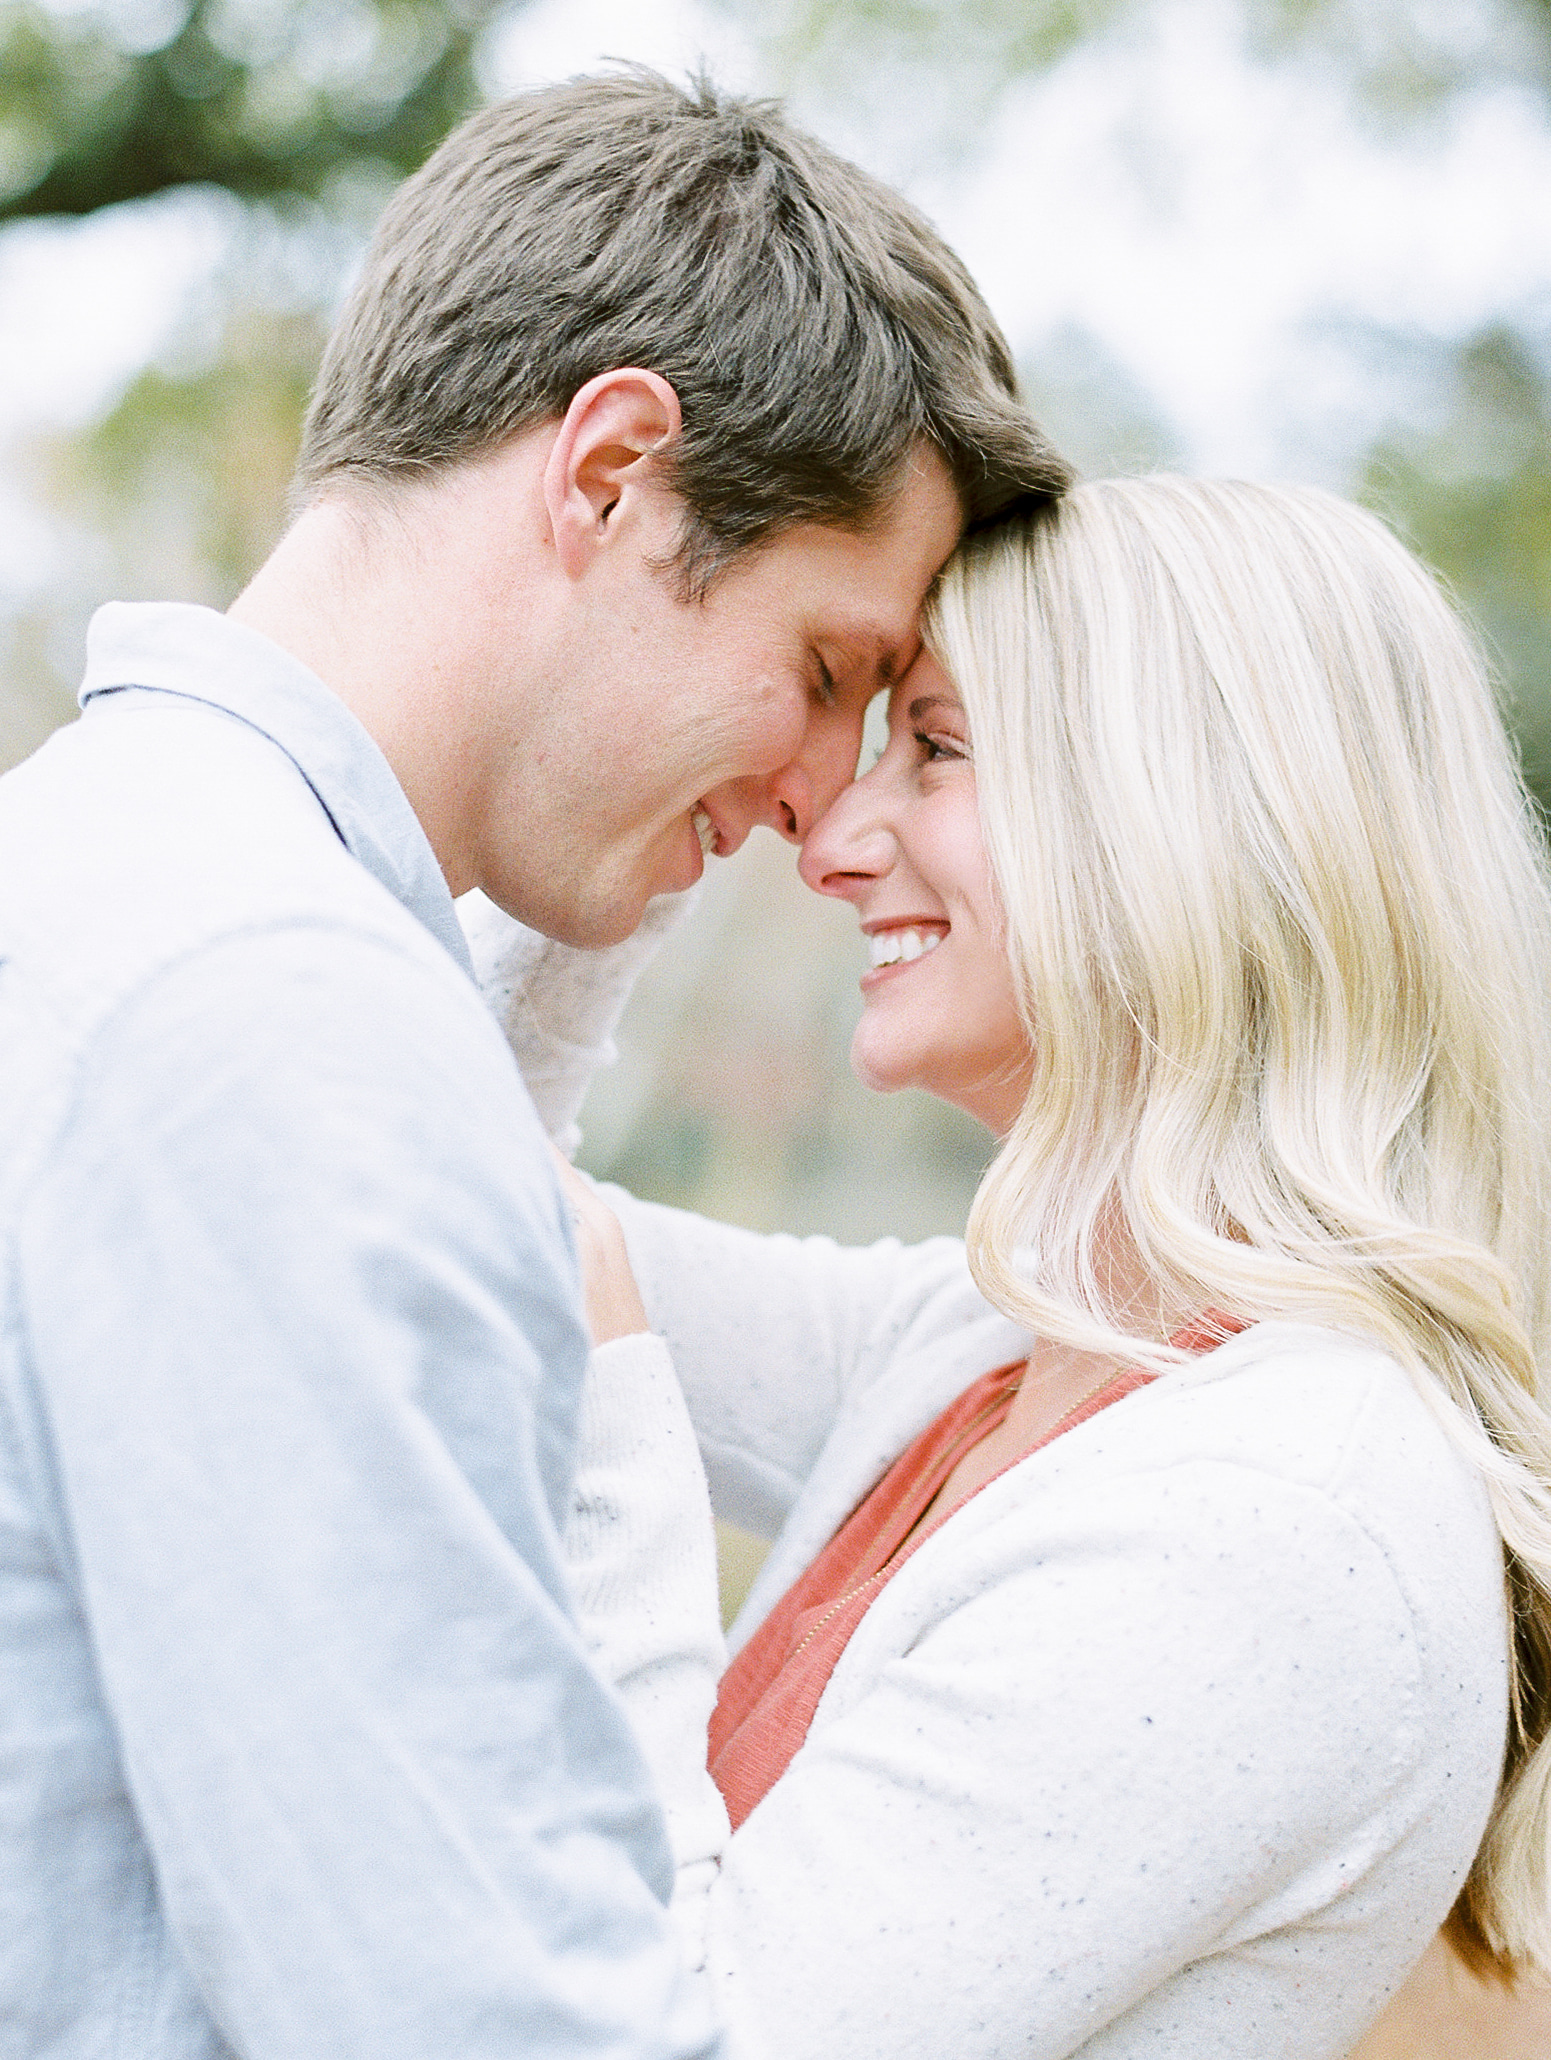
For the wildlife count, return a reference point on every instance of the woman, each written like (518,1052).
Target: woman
(1132,1671)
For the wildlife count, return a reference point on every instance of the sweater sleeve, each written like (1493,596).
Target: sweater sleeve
(773,1336)
(641,1555)
(557,1004)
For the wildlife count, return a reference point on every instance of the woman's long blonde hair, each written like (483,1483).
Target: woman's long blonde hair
(1280,925)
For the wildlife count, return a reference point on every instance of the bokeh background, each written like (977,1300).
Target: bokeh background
(1295,238)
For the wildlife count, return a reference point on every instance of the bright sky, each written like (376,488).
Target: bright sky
(1193,214)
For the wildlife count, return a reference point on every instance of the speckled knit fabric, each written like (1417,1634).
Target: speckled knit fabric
(767,1697)
(1176,1739)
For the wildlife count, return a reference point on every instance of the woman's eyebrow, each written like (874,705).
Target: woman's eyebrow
(923,704)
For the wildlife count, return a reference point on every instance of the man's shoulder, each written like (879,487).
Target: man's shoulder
(152,868)
(133,841)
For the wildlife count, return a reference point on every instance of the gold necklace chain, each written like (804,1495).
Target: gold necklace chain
(999,1400)
(814,1629)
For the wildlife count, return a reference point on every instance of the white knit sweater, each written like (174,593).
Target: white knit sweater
(1176,1740)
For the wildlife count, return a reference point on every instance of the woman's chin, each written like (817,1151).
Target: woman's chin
(878,1068)
(890,1069)
(993,1096)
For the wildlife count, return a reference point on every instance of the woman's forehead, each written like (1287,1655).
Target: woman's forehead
(924,687)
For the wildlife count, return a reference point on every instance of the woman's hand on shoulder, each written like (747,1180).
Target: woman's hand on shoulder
(614,1306)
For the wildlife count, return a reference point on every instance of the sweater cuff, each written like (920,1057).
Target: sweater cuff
(639,1479)
(559,1004)
(641,1552)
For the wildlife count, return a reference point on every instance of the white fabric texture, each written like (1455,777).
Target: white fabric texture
(1178,1739)
(558,1004)
(641,1551)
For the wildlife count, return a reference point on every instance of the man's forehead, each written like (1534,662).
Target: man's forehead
(885,569)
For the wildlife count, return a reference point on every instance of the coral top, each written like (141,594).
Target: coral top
(770,1692)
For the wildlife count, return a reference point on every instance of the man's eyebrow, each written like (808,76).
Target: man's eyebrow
(878,652)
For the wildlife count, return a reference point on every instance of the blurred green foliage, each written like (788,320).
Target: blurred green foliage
(268,98)
(1009,38)
(177,493)
(1396,55)
(184,482)
(1472,494)
(1403,58)
(121,99)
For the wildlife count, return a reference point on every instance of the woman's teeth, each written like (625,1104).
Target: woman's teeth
(705,831)
(888,947)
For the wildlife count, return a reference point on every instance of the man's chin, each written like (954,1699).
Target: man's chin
(589,926)
(600,911)
(610,928)
(592,929)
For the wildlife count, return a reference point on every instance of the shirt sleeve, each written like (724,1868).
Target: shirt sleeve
(772,1336)
(302,1324)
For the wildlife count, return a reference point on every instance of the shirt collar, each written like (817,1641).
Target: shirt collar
(169,647)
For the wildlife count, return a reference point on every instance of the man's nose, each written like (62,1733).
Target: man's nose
(791,805)
(822,770)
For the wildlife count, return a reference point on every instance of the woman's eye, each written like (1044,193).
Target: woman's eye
(937,748)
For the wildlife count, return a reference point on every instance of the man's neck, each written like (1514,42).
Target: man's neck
(381,619)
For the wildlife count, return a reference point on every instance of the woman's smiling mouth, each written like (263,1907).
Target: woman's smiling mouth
(903,944)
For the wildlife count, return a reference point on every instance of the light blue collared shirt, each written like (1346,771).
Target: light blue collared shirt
(299,1752)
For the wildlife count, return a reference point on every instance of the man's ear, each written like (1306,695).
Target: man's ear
(601,453)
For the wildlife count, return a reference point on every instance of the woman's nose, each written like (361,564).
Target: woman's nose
(849,847)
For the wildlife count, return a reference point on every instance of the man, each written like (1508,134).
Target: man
(636,448)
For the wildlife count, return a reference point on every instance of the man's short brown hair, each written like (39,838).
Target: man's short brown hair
(814,326)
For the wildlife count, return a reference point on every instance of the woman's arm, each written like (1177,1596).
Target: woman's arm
(773,1337)
(557,1004)
(641,1555)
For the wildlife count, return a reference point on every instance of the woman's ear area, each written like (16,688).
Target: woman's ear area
(602,449)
